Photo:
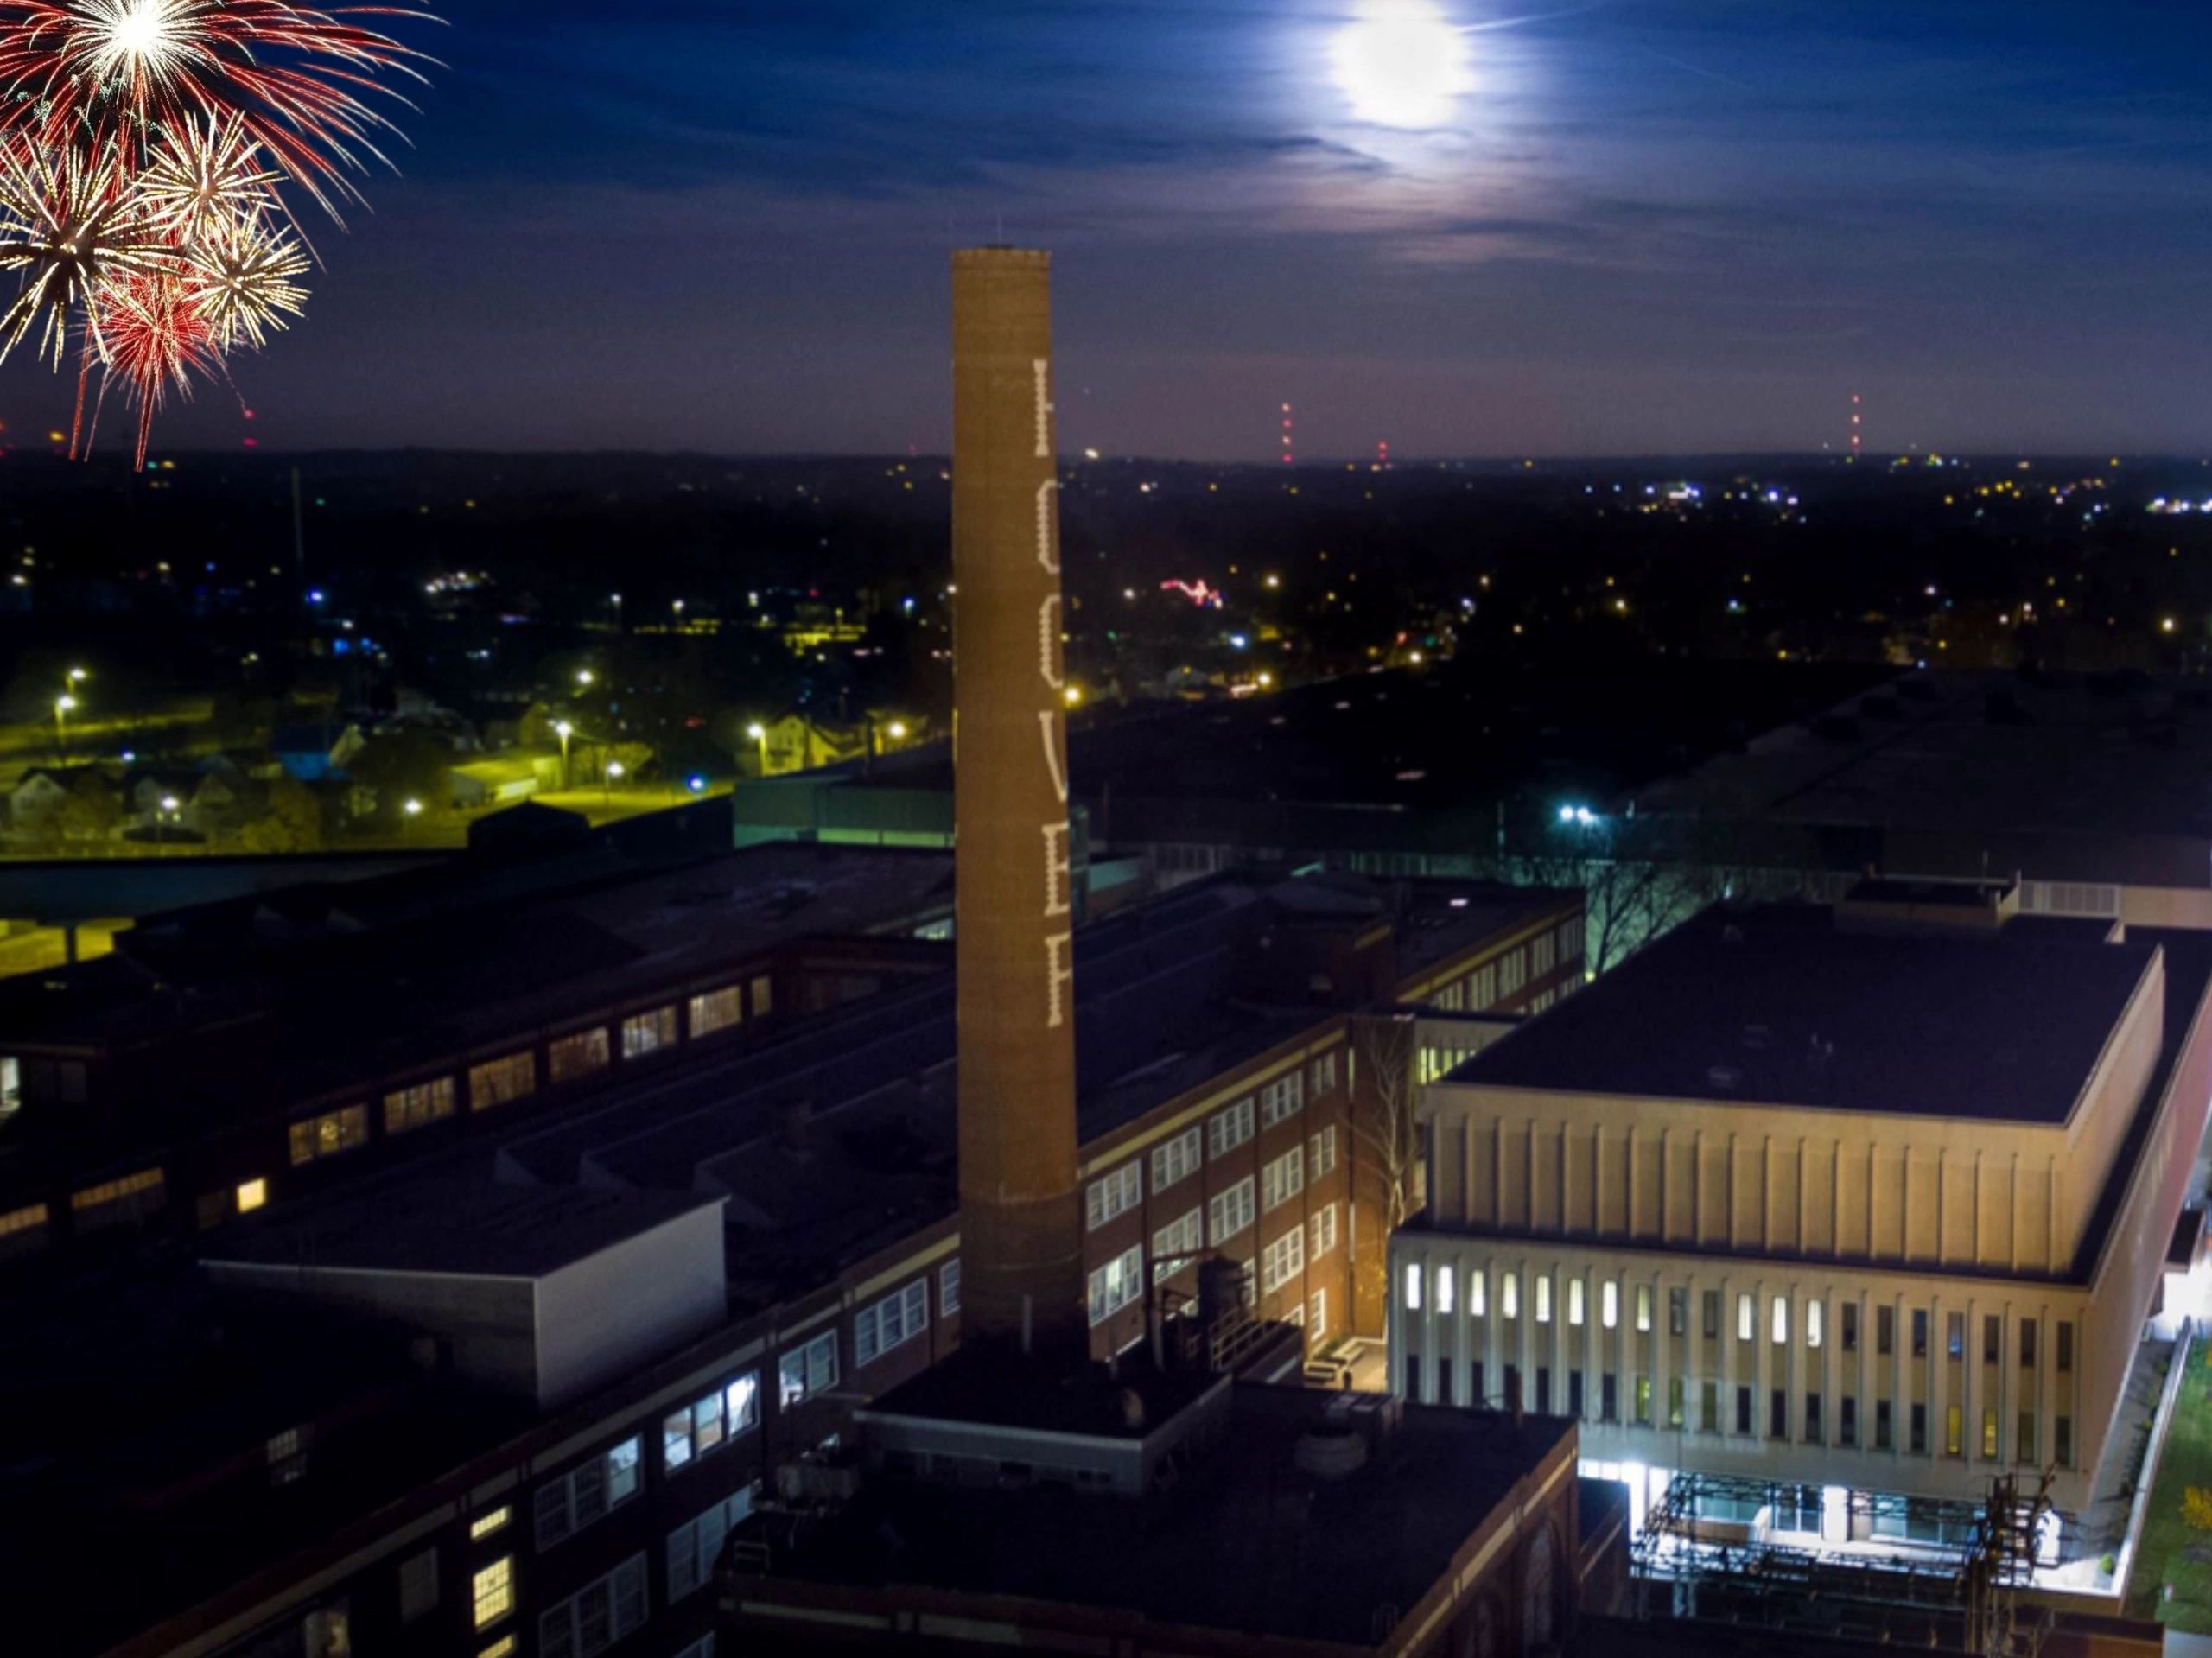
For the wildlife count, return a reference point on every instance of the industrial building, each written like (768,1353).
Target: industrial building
(1864,1205)
(516,1229)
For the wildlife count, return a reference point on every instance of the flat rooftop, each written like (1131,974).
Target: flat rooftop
(454,1227)
(1245,1542)
(1779,1008)
(2098,778)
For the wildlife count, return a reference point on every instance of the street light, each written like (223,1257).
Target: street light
(583,676)
(608,779)
(897,731)
(62,704)
(170,807)
(561,729)
(413,808)
(759,732)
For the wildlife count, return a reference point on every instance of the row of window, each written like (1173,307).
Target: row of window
(514,1076)
(1483,988)
(1709,1418)
(1815,1324)
(1119,1192)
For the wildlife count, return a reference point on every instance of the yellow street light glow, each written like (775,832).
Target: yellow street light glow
(614,768)
(169,802)
(562,728)
(1072,695)
(583,676)
(2166,624)
(898,729)
(78,675)
(64,703)
(757,731)
(413,808)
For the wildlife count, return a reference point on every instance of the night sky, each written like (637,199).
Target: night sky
(1645,226)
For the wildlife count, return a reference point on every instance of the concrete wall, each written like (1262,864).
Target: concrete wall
(612,1312)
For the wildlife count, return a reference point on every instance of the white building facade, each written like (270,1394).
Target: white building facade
(1891,1301)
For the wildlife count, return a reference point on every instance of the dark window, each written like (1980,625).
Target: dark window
(1543,1390)
(2024,1442)
(2061,1439)
(1992,1338)
(2027,1343)
(1609,1398)
(1881,1425)
(1812,1419)
(1885,1331)
(1955,1335)
(1920,1332)
(1846,1423)
(2065,1346)
(1476,1395)
(1778,1414)
(1674,1401)
(1443,1382)
(1919,1445)
(1574,1394)
(1743,1410)
(1709,1407)
(1413,1376)
(1678,1311)
(1851,1326)
(1713,1315)
(1513,1387)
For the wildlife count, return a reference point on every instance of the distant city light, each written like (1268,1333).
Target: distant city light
(1072,697)
(1581,814)
(315,595)
(697,784)
(413,808)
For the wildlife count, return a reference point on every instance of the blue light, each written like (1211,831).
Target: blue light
(315,595)
(698,785)
(1566,814)
(1239,640)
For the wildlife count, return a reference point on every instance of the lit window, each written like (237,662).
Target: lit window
(1609,1304)
(1780,1320)
(503,1648)
(717,1010)
(1121,1281)
(412,1107)
(1509,1295)
(1574,1302)
(1746,1317)
(577,1054)
(1543,1298)
(1477,1288)
(894,1320)
(498,1081)
(485,1524)
(648,1032)
(805,1371)
(1443,1289)
(493,1592)
(1116,1194)
(1413,1287)
(1812,1324)
(1643,1306)
(251,1195)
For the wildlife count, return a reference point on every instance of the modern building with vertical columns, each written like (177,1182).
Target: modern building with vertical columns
(1874,1199)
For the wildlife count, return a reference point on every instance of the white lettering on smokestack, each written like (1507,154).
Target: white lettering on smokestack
(1056,869)
(1048,635)
(1058,975)
(1048,554)
(1045,410)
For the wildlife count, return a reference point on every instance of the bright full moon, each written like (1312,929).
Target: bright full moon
(1400,63)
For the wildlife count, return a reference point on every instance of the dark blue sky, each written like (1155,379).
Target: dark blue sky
(1647,225)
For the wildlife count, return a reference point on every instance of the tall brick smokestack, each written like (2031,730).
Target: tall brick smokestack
(1020,1232)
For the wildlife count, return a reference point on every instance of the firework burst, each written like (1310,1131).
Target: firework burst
(244,278)
(72,229)
(204,175)
(157,337)
(143,144)
(298,79)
